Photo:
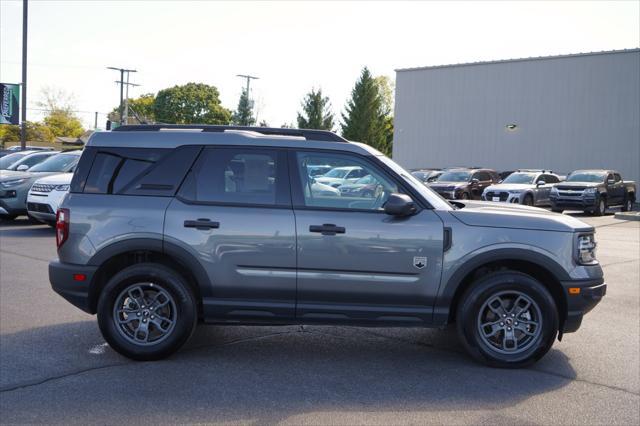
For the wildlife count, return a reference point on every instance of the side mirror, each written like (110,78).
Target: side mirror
(474,181)
(400,205)
(22,168)
(540,183)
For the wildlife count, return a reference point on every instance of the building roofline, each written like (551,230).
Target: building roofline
(531,58)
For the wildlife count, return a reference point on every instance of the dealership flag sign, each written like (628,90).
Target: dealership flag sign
(9,106)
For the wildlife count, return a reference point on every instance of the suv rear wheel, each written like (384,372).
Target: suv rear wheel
(507,319)
(147,312)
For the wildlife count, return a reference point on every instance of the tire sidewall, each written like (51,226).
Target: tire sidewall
(478,294)
(170,281)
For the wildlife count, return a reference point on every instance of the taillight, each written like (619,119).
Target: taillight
(62,226)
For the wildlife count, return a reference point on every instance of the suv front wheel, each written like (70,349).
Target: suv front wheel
(147,311)
(507,319)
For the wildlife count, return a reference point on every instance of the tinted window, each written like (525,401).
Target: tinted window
(236,176)
(10,159)
(368,193)
(113,171)
(454,177)
(483,176)
(551,179)
(595,177)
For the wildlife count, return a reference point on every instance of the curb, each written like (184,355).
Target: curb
(628,215)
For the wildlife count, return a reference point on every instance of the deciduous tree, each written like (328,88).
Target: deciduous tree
(190,104)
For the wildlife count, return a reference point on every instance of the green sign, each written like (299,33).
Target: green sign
(9,103)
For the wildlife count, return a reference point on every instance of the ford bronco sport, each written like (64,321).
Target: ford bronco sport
(168,226)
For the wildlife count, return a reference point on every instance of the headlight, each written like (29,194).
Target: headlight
(11,183)
(62,187)
(586,249)
(590,191)
(514,192)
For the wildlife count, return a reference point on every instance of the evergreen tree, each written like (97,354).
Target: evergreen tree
(244,114)
(316,112)
(367,119)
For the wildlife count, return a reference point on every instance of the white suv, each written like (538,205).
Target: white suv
(45,196)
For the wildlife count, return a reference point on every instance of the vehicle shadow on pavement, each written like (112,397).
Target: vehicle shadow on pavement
(24,227)
(254,374)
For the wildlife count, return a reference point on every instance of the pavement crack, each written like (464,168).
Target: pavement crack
(25,255)
(59,377)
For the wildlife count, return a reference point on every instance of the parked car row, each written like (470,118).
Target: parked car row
(592,191)
(35,187)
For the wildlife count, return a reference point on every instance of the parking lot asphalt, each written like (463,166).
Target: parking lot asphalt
(56,368)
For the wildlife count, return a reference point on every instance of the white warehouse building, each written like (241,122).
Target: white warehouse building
(561,113)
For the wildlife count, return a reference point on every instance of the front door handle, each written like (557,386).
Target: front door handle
(201,224)
(327,229)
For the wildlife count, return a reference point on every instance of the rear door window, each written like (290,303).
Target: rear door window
(242,176)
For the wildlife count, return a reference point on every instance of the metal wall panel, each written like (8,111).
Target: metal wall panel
(571,112)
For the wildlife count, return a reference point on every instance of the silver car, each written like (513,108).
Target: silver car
(531,188)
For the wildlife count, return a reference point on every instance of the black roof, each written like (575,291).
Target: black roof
(309,134)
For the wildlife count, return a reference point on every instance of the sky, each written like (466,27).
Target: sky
(291,46)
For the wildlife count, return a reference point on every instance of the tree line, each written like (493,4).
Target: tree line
(367,116)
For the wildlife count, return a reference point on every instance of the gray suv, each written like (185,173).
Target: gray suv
(168,226)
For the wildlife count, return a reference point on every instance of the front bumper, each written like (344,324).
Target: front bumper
(573,203)
(503,197)
(581,301)
(61,276)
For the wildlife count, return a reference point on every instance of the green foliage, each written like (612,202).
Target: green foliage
(192,103)
(243,116)
(36,132)
(62,123)
(316,112)
(367,118)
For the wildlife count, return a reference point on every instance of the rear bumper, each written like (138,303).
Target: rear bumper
(61,277)
(591,293)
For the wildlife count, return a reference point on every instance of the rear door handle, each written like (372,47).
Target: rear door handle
(201,224)
(327,229)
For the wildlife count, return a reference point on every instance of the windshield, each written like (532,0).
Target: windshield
(436,201)
(586,177)
(520,178)
(8,160)
(336,173)
(454,177)
(57,163)
(365,180)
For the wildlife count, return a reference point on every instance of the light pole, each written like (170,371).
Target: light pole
(23,127)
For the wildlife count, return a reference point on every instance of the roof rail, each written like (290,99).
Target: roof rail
(309,134)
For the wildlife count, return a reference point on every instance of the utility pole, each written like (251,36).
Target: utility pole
(126,100)
(95,121)
(122,83)
(23,127)
(249,78)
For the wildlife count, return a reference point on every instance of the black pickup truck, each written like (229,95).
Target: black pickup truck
(593,191)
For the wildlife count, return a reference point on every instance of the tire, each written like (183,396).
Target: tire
(528,200)
(7,217)
(175,314)
(628,203)
(509,286)
(557,210)
(601,207)
(465,196)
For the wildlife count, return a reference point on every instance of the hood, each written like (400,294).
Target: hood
(11,175)
(57,179)
(442,184)
(498,215)
(578,185)
(510,187)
